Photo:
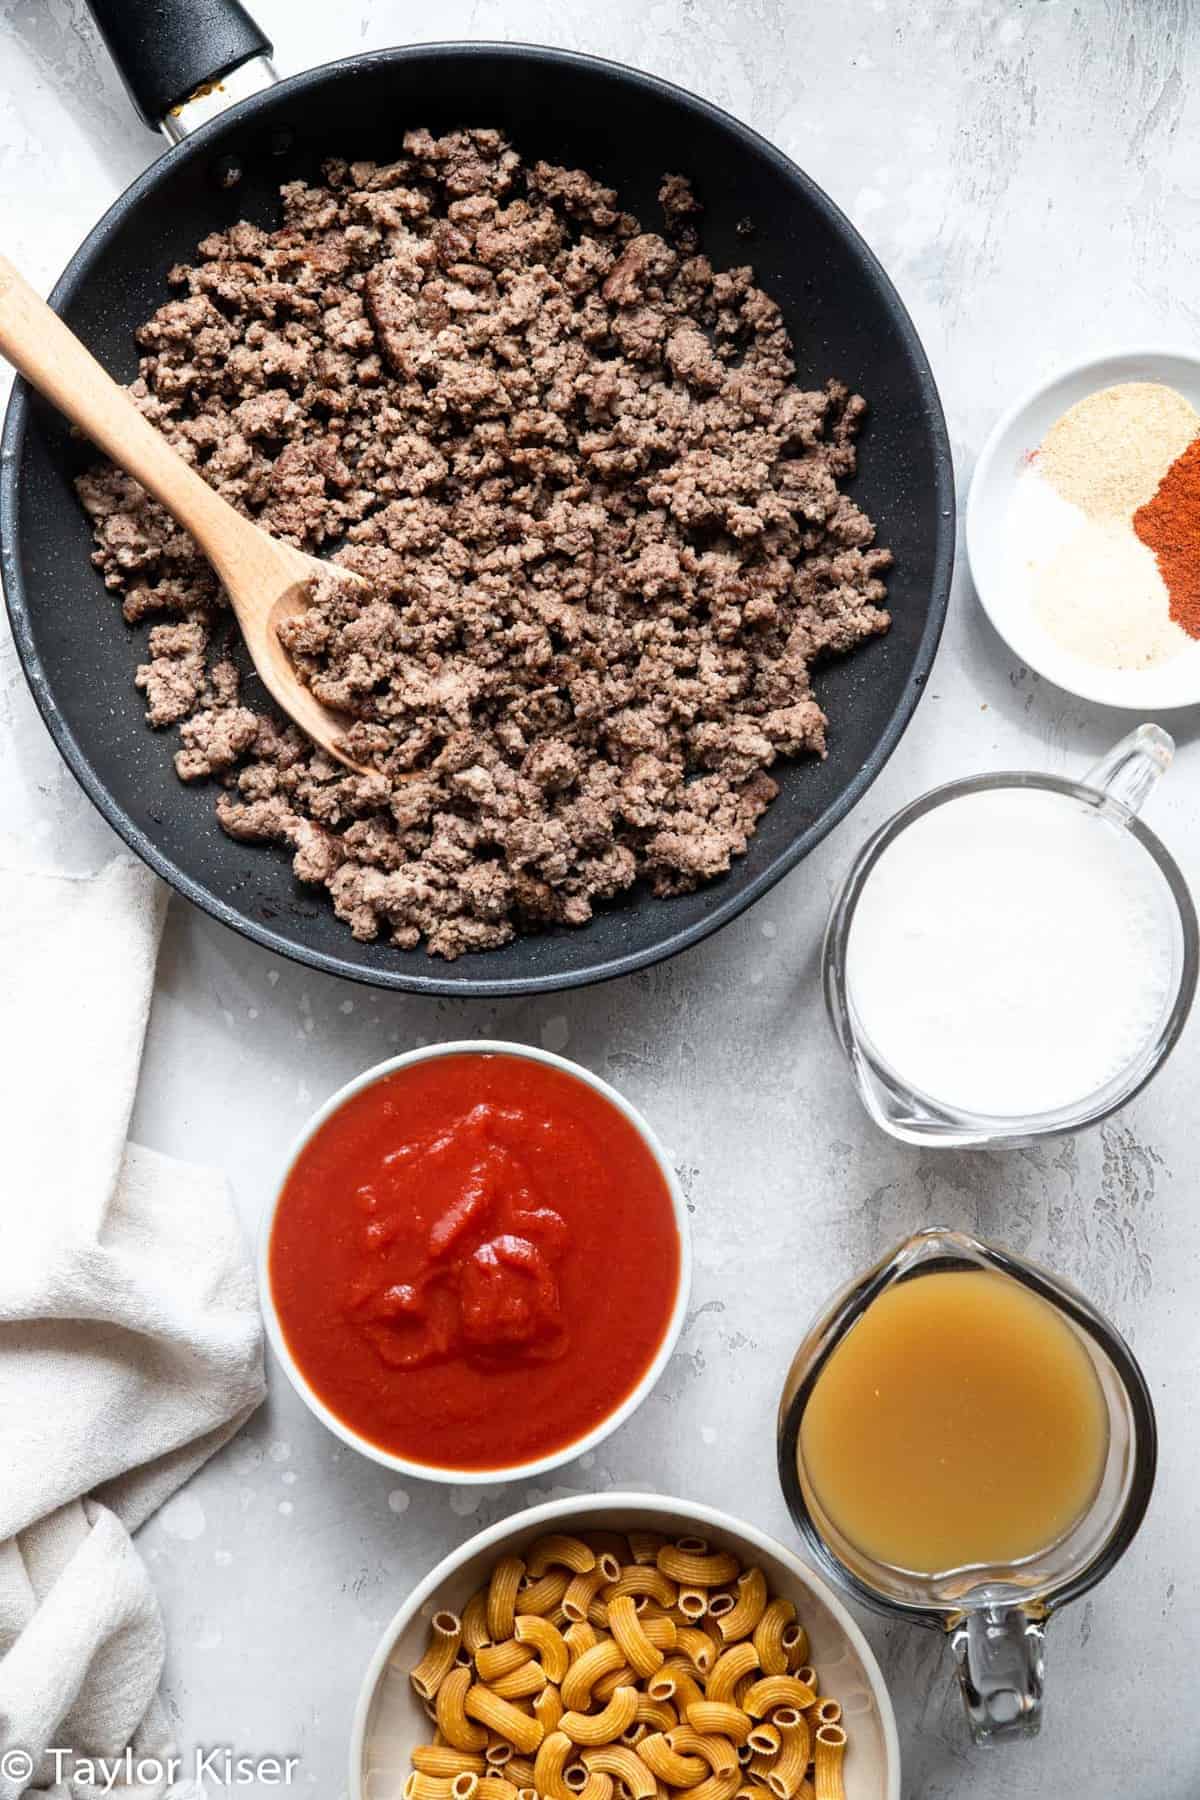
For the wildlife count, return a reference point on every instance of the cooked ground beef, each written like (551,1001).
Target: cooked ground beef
(602,535)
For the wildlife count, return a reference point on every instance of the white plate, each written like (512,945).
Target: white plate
(1174,683)
(389,1719)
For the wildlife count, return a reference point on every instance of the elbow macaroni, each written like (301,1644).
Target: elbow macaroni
(598,1665)
(445,1636)
(547,1643)
(789,1766)
(741,1619)
(775,1619)
(827,1763)
(521,1729)
(639,1651)
(566,1552)
(605,1726)
(450,1712)
(502,1597)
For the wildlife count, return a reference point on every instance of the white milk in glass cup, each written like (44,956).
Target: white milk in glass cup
(1013,955)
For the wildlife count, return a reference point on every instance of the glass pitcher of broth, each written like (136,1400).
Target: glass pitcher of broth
(966,1443)
(1013,955)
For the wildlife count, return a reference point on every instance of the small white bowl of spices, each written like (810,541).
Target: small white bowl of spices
(1083,529)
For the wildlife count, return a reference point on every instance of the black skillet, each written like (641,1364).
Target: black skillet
(625,127)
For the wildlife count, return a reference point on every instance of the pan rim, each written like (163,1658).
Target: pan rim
(403,978)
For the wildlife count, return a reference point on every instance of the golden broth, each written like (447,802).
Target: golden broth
(960,1421)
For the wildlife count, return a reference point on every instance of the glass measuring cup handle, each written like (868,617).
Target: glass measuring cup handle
(1133,768)
(1001,1659)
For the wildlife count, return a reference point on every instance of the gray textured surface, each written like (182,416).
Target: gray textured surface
(1027,174)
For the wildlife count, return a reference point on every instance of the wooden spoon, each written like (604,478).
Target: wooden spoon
(266,581)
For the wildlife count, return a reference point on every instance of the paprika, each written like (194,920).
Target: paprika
(1169,525)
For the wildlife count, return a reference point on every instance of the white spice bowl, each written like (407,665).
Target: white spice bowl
(990,550)
(389,1719)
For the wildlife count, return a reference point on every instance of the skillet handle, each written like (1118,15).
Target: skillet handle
(166,49)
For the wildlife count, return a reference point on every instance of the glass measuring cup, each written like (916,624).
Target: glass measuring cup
(1111,793)
(995,1616)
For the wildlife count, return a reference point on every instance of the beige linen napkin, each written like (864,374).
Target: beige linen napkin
(130,1342)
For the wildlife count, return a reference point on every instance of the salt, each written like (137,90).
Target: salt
(1011,953)
(1089,582)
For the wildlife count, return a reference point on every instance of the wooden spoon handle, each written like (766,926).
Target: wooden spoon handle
(52,359)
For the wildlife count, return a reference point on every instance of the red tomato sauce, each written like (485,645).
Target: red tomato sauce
(474,1261)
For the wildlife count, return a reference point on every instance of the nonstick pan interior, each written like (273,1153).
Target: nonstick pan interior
(628,129)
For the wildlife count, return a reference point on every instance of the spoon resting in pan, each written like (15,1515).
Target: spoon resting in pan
(266,581)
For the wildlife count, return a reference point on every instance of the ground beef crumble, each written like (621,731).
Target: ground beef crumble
(602,534)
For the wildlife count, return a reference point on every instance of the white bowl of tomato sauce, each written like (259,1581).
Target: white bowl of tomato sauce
(477,1262)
